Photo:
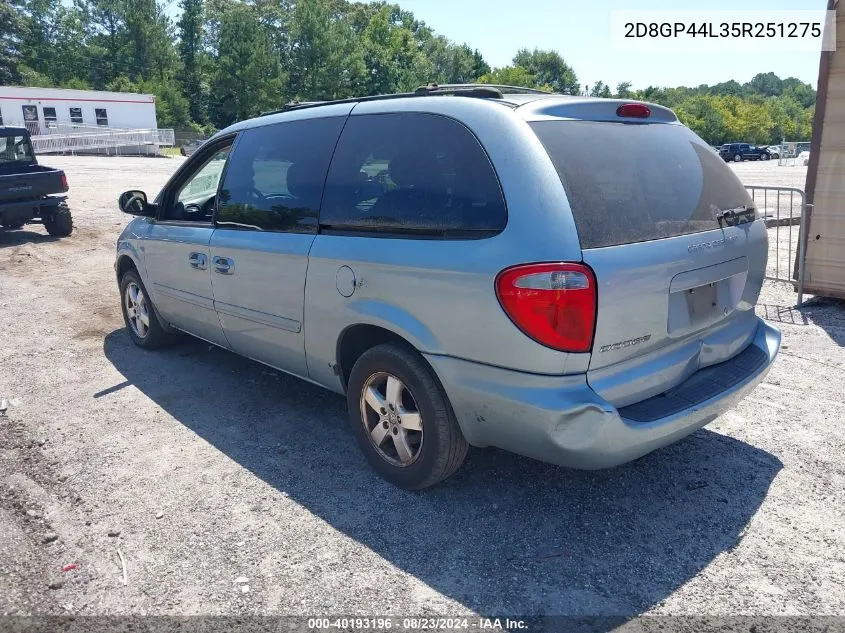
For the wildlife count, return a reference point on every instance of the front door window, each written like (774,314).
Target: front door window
(194,200)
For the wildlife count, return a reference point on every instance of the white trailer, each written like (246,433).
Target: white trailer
(44,109)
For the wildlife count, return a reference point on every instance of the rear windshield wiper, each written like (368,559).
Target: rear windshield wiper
(735,216)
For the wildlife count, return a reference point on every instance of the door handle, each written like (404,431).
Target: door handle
(198,261)
(223,265)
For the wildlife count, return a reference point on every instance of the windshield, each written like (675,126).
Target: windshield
(633,183)
(15,149)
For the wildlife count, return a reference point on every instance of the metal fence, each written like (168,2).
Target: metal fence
(784,210)
(788,153)
(63,137)
(111,140)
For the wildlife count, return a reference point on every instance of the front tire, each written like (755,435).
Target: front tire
(402,420)
(139,314)
(737,158)
(59,221)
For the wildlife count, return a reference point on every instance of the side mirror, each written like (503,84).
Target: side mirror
(135,203)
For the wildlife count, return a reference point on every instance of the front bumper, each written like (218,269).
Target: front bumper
(561,420)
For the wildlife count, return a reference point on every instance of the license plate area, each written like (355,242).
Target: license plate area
(701,298)
(701,303)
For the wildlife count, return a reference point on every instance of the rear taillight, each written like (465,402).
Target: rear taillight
(64,183)
(555,304)
(634,111)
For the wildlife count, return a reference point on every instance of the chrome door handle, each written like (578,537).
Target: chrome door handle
(223,265)
(198,261)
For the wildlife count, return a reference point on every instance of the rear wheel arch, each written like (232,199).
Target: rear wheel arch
(355,340)
(442,447)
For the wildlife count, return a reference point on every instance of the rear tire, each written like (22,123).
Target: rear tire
(140,315)
(58,221)
(395,401)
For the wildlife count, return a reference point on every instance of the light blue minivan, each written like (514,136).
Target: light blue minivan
(572,279)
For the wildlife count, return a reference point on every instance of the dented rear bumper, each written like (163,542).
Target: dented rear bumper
(561,420)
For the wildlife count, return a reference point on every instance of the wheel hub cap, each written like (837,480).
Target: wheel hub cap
(137,312)
(391,419)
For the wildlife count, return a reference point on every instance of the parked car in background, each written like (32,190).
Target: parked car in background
(803,159)
(189,147)
(737,152)
(469,266)
(774,151)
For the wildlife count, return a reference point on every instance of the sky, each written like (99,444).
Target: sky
(579,31)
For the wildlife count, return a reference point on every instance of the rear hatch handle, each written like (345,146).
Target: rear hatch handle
(735,216)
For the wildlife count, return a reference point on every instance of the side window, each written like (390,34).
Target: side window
(415,173)
(102,116)
(50,117)
(275,179)
(30,119)
(194,199)
(76,115)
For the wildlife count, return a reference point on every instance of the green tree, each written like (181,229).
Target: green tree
(803,93)
(107,39)
(11,26)
(191,49)
(623,90)
(509,76)
(71,61)
(766,84)
(548,68)
(325,60)
(702,114)
(601,89)
(727,88)
(248,77)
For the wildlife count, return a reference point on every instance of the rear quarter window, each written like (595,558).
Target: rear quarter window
(631,183)
(412,173)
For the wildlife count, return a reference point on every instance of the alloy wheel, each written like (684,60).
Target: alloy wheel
(137,310)
(392,419)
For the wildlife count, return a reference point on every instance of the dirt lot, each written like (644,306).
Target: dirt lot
(231,489)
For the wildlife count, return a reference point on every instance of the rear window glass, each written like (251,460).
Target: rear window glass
(633,183)
(15,149)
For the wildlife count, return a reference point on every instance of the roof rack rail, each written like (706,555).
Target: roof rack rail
(481,91)
(464,90)
(461,88)
(299,105)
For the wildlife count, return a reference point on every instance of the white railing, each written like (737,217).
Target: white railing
(78,137)
(108,139)
(45,129)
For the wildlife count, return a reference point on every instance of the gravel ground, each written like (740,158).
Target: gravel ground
(229,488)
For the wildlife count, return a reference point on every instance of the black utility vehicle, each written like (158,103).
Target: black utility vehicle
(26,187)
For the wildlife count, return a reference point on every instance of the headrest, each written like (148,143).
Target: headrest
(301,181)
(403,170)
(415,169)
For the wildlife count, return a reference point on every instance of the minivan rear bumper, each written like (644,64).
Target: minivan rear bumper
(561,420)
